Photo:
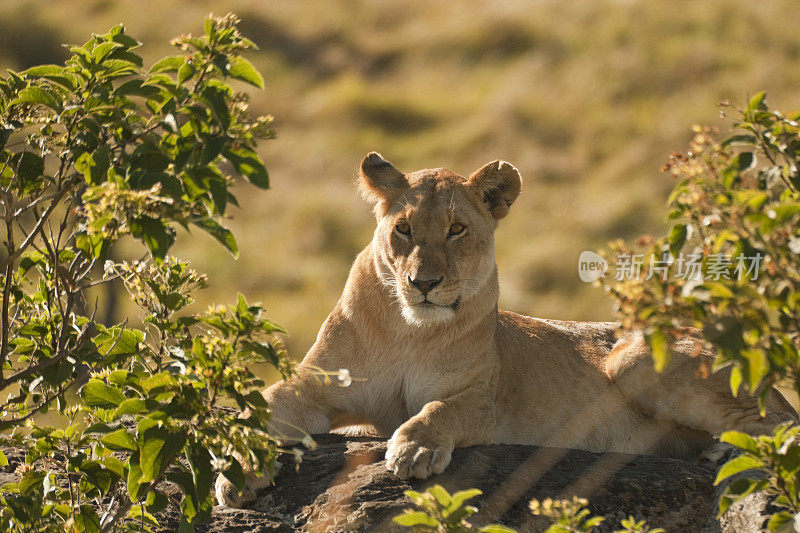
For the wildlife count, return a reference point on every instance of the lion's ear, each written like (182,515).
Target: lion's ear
(498,185)
(379,180)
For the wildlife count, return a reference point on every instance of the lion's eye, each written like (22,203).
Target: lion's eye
(456,229)
(403,228)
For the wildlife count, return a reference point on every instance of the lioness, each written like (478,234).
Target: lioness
(441,367)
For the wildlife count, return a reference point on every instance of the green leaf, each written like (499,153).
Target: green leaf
(744,161)
(265,350)
(185,72)
(220,233)
(31,480)
(594,521)
(757,367)
(5,133)
(739,140)
(116,342)
(99,428)
(202,472)
(139,516)
(94,245)
(248,164)
(757,102)
(781,521)
(102,51)
(97,394)
(659,345)
(156,235)
(415,518)
(255,399)
(124,377)
(119,440)
(737,465)
(677,237)
(156,381)
(736,380)
(54,73)
(789,462)
(30,167)
(441,495)
(217,101)
(87,520)
(738,489)
(157,447)
(43,70)
(94,165)
(496,528)
(739,164)
(740,440)
(222,62)
(112,464)
(458,514)
(3,459)
(718,289)
(136,87)
(37,95)
(131,406)
(235,474)
(241,306)
(156,501)
(243,70)
(185,526)
(134,477)
(461,496)
(168,64)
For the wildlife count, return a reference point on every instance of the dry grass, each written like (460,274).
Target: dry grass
(585,98)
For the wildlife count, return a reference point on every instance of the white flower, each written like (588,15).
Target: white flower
(345,380)
(219,464)
(309,443)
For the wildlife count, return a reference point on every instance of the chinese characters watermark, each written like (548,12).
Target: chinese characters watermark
(689,267)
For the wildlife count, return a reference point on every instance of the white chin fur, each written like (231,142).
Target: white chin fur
(419,315)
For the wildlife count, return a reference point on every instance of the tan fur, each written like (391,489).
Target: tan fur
(458,372)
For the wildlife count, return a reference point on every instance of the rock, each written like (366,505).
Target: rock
(343,486)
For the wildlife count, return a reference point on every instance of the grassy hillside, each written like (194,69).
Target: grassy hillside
(587,99)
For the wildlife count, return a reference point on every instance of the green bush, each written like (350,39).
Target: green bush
(735,199)
(92,152)
(446,513)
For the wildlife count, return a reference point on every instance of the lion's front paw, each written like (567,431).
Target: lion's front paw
(717,454)
(410,458)
(228,496)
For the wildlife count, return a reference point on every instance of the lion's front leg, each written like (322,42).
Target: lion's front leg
(423,445)
(295,410)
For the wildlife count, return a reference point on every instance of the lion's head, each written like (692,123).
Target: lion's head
(435,235)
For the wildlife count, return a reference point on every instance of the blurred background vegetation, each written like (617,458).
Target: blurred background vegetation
(587,99)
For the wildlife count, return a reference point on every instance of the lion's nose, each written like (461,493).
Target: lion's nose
(425,285)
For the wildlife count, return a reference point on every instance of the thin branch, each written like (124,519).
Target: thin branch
(34,203)
(15,422)
(111,519)
(102,281)
(22,374)
(39,225)
(6,296)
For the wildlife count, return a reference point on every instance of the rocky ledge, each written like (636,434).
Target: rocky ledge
(343,485)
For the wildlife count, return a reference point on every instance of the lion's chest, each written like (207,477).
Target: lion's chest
(400,387)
